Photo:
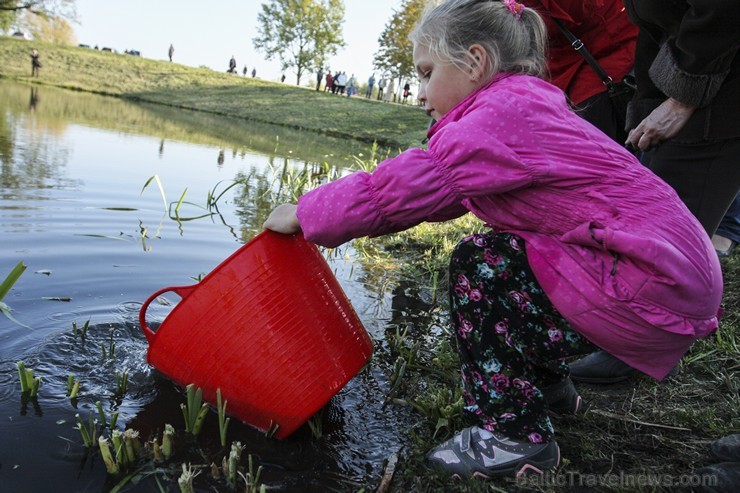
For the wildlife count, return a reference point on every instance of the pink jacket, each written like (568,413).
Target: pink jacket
(614,248)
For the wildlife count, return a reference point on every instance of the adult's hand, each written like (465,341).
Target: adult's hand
(662,124)
(283,219)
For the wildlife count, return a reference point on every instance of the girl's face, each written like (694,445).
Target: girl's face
(442,85)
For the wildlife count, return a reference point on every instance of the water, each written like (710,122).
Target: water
(74,208)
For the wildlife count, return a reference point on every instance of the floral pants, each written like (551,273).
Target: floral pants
(512,341)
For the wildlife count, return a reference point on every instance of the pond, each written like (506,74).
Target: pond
(79,208)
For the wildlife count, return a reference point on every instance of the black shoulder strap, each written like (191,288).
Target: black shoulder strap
(581,48)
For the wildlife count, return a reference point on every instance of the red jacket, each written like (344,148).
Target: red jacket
(607,33)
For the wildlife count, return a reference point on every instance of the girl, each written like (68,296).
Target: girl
(587,247)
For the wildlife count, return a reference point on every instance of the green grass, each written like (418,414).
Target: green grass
(219,93)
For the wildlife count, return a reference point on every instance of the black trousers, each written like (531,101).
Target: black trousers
(705,175)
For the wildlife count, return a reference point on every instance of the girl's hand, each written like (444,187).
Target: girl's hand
(283,219)
(662,124)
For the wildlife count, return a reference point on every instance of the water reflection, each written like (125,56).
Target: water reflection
(72,205)
(62,107)
(39,162)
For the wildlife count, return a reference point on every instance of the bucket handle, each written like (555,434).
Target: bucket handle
(182,291)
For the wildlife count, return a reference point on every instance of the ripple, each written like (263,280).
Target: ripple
(63,316)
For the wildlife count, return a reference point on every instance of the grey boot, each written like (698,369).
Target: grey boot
(719,478)
(727,448)
(600,367)
(562,398)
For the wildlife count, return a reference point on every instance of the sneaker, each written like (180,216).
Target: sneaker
(475,452)
(562,398)
(726,448)
(602,367)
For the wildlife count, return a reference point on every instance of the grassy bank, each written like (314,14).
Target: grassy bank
(636,436)
(202,89)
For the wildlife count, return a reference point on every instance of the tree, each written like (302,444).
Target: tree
(11,10)
(50,29)
(302,34)
(395,55)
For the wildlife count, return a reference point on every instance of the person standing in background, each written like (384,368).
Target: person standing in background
(370,85)
(381,87)
(171,51)
(35,63)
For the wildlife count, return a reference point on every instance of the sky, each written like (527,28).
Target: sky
(208,33)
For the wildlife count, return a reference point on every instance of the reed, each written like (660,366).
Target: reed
(315,423)
(274,427)
(80,332)
(88,431)
(223,421)
(119,448)
(167,441)
(252,478)
(121,382)
(132,445)
(29,383)
(230,464)
(185,481)
(109,352)
(110,463)
(156,179)
(73,387)
(103,418)
(5,286)
(194,410)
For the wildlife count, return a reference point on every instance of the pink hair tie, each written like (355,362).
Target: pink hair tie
(515,7)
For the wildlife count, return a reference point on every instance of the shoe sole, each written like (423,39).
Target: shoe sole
(607,380)
(576,378)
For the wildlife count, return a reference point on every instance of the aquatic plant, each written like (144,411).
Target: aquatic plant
(161,189)
(111,349)
(315,422)
(132,445)
(164,451)
(399,369)
(119,448)
(230,464)
(111,465)
(5,286)
(272,429)
(29,383)
(185,481)
(223,421)
(194,410)
(252,478)
(73,387)
(212,199)
(103,419)
(81,332)
(121,382)
(88,431)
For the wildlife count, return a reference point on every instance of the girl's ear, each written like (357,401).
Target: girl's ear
(478,62)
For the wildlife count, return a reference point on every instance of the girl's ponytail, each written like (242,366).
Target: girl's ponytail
(514,36)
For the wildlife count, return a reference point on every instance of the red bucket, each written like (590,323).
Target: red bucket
(270,327)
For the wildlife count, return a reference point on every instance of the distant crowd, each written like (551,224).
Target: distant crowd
(338,83)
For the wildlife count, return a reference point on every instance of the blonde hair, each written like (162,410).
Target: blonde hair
(514,43)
